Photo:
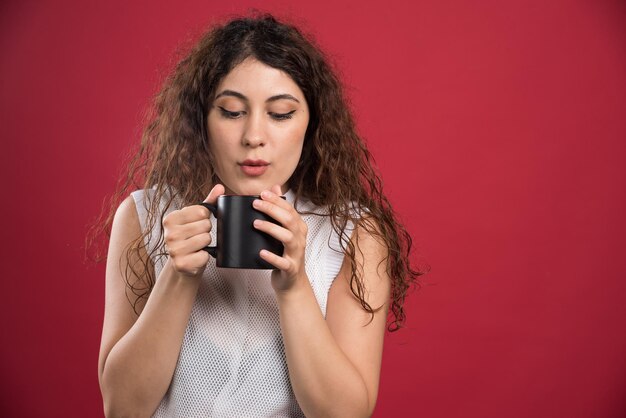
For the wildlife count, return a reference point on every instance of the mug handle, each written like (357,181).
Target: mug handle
(211,250)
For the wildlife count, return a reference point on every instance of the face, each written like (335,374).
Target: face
(256,127)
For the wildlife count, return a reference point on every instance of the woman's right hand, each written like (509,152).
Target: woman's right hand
(187,232)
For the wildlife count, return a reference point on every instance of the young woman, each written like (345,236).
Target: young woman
(253,109)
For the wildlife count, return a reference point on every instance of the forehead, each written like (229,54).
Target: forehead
(254,79)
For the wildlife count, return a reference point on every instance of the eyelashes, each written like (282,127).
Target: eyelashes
(238,114)
(229,114)
(282,116)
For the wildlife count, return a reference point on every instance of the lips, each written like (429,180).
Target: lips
(253,168)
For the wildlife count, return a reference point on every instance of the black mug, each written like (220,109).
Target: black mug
(238,241)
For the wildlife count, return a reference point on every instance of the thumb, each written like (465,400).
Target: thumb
(216,191)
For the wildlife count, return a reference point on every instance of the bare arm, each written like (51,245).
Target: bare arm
(138,355)
(334,363)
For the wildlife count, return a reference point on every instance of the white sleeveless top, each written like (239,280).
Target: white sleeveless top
(232,361)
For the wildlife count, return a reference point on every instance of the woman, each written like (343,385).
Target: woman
(253,109)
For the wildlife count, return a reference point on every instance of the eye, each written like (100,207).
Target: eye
(231,114)
(282,116)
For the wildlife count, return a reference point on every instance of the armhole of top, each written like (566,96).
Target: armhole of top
(139,197)
(152,240)
(142,212)
(335,254)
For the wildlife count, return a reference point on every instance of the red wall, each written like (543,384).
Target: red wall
(500,131)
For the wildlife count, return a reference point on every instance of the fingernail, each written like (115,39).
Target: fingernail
(256,203)
(257,222)
(266,194)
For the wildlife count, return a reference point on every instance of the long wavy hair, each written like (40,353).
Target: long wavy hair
(335,169)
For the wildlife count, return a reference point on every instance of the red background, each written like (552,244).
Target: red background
(499,128)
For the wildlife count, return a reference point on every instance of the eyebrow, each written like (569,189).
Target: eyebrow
(238,95)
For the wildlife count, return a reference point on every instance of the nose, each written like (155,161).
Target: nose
(254,133)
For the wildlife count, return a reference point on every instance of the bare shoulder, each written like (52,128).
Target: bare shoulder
(126,220)
(370,262)
(125,232)
(369,243)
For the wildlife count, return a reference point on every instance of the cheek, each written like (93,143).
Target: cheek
(220,138)
(293,151)
(292,139)
(300,135)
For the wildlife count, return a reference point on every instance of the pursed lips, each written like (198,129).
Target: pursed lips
(253,168)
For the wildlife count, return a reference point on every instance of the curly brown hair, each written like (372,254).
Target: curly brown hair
(335,170)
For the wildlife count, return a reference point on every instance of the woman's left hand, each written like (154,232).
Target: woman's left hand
(292,234)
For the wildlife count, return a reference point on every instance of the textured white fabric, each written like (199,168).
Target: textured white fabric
(232,361)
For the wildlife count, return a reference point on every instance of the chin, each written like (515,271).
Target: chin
(253,187)
(247,189)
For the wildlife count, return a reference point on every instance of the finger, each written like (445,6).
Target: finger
(215,192)
(200,258)
(189,246)
(275,198)
(281,234)
(187,215)
(269,207)
(193,228)
(275,260)
(198,242)
(176,233)
(192,263)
